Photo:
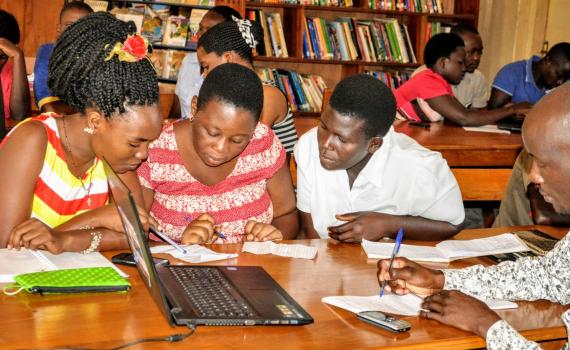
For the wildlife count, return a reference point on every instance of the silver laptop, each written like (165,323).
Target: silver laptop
(204,295)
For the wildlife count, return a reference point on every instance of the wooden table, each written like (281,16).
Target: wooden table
(481,162)
(108,320)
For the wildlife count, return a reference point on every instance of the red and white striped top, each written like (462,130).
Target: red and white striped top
(179,198)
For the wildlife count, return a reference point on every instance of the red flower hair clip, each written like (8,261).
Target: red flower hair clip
(134,49)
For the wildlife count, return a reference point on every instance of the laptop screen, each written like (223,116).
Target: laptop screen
(137,238)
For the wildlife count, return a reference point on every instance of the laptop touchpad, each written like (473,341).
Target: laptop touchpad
(265,296)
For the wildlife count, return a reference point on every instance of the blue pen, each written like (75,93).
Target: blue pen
(399,237)
(222,236)
(167,239)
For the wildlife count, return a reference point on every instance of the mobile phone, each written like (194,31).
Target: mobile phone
(537,241)
(382,320)
(421,124)
(129,259)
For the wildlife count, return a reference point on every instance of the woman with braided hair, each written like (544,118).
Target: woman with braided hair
(234,41)
(53,189)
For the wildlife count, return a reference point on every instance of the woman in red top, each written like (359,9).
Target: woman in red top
(221,176)
(444,55)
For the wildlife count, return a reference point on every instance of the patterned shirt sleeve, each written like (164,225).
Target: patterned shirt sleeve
(501,336)
(547,277)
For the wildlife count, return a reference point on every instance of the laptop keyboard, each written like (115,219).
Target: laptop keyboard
(209,292)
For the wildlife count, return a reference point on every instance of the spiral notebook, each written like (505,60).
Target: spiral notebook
(16,262)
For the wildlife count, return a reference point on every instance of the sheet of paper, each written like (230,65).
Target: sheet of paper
(194,253)
(381,250)
(487,128)
(505,243)
(406,305)
(287,250)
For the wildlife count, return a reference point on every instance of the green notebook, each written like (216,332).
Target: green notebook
(92,279)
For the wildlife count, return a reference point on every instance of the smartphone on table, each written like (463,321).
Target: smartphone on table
(382,320)
(129,259)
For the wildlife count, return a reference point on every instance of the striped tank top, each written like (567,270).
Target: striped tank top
(285,130)
(58,194)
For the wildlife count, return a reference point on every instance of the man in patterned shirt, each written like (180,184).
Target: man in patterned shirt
(545,135)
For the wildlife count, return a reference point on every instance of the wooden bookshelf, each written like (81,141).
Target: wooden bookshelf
(293,15)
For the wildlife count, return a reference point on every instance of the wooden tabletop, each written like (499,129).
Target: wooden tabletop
(463,148)
(459,147)
(109,320)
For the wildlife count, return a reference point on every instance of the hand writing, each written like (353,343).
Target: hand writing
(409,277)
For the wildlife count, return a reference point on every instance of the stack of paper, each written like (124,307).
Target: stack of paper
(447,251)
(194,253)
(288,250)
(407,305)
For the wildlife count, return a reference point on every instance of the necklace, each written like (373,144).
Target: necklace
(87,189)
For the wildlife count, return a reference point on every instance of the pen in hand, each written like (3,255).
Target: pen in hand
(399,237)
(167,239)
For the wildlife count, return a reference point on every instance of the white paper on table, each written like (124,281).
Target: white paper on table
(406,305)
(194,253)
(486,128)
(449,250)
(287,250)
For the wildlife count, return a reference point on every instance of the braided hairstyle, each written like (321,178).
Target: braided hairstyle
(245,91)
(9,29)
(226,36)
(80,76)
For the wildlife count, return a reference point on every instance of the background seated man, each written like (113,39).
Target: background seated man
(359,179)
(522,203)
(190,76)
(529,80)
(545,135)
(46,102)
(444,55)
(471,91)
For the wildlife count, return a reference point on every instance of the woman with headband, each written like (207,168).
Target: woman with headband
(53,190)
(220,176)
(234,41)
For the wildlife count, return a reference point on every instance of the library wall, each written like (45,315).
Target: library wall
(37,20)
(511,30)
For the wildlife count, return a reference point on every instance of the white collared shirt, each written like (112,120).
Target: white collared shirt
(401,178)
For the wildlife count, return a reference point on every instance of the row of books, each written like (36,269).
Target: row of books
(434,28)
(273,36)
(159,26)
(167,63)
(422,6)
(378,40)
(333,3)
(304,91)
(393,79)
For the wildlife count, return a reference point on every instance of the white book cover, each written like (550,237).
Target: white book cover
(16,262)
(450,250)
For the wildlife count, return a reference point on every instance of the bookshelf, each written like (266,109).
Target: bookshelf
(333,70)
(169,27)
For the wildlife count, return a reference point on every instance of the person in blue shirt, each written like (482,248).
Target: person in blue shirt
(529,80)
(46,102)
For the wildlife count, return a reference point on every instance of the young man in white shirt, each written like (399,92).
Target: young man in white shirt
(359,179)
(545,136)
